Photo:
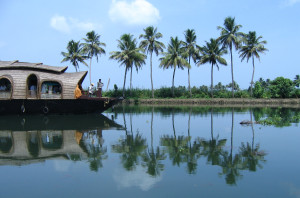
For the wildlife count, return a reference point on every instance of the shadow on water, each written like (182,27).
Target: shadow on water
(32,139)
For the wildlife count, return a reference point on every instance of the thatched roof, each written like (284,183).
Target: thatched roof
(16,65)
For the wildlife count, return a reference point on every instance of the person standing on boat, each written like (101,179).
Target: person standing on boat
(99,88)
(77,92)
(91,89)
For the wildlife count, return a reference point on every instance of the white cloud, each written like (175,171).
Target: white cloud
(60,23)
(137,178)
(291,2)
(66,25)
(136,12)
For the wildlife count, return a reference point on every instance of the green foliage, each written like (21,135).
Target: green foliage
(281,87)
(258,90)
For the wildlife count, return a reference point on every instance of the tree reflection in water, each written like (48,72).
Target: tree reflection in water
(131,148)
(92,143)
(152,160)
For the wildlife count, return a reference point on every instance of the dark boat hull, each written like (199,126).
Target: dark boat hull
(56,106)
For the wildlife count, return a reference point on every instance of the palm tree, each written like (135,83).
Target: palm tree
(129,55)
(192,50)
(92,47)
(174,57)
(252,47)
(150,44)
(230,36)
(74,54)
(212,54)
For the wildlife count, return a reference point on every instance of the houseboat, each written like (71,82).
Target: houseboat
(35,88)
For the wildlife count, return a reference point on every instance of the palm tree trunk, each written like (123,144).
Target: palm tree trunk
(131,123)
(189,77)
(130,79)
(252,128)
(211,124)
(152,128)
(212,81)
(124,82)
(231,142)
(151,74)
(252,76)
(189,127)
(90,72)
(124,120)
(173,81)
(173,123)
(232,79)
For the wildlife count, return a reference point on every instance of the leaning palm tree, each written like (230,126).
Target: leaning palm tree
(230,37)
(174,57)
(212,53)
(192,49)
(74,54)
(252,47)
(129,55)
(92,47)
(150,44)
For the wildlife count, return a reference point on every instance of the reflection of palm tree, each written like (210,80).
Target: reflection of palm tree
(176,147)
(192,155)
(193,152)
(96,153)
(231,165)
(251,155)
(131,149)
(151,158)
(96,156)
(213,148)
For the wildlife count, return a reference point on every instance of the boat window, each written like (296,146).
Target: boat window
(5,88)
(32,84)
(51,90)
(6,142)
(52,140)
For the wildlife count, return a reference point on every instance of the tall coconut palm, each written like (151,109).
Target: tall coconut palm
(174,57)
(129,55)
(212,53)
(75,54)
(192,49)
(230,36)
(93,47)
(251,48)
(150,44)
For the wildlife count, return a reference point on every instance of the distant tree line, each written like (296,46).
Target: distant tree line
(278,88)
(179,54)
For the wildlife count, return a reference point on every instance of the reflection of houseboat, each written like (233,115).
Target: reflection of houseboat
(32,138)
(34,88)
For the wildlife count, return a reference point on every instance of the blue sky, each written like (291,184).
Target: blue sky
(38,31)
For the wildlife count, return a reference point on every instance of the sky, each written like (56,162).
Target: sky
(38,31)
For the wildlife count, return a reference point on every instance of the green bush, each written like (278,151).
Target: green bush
(281,87)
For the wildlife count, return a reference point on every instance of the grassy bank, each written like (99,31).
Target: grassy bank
(218,102)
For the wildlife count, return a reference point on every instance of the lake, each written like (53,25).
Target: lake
(152,151)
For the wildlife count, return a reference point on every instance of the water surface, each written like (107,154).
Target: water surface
(152,151)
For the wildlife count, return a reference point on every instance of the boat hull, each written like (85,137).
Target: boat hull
(56,106)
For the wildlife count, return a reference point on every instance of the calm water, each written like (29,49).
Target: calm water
(152,152)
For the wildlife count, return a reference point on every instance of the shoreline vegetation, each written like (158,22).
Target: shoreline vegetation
(223,102)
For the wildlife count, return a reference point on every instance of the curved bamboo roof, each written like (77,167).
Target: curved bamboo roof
(16,65)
